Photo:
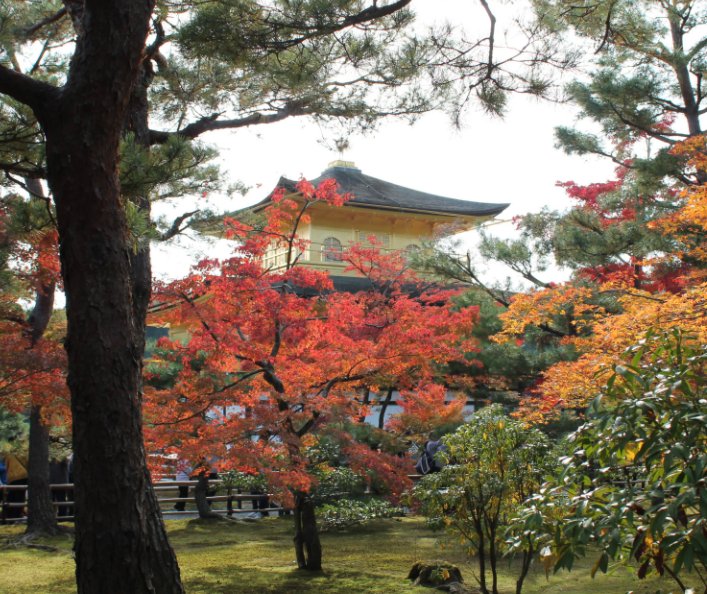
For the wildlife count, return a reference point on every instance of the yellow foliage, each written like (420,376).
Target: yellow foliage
(543,307)
(601,337)
(573,384)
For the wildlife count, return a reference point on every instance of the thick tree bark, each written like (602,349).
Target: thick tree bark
(41,516)
(308,548)
(121,545)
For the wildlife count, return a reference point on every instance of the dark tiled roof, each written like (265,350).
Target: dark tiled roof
(371,192)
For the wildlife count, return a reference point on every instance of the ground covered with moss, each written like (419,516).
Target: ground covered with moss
(258,557)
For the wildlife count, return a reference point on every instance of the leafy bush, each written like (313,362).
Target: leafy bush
(336,482)
(492,464)
(235,480)
(634,485)
(351,512)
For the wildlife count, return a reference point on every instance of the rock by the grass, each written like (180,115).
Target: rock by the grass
(438,574)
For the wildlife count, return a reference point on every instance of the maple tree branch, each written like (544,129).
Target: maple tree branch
(275,382)
(203,322)
(631,294)
(209,405)
(308,425)
(198,413)
(277,340)
(295,226)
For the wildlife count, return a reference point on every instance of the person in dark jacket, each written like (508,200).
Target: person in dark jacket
(429,460)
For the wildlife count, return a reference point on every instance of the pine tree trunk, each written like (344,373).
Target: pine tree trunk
(308,548)
(121,544)
(41,516)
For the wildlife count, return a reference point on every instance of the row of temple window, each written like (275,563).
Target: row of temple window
(332,249)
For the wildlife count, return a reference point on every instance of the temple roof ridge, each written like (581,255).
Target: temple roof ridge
(372,192)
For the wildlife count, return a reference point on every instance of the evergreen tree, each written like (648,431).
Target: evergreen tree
(647,82)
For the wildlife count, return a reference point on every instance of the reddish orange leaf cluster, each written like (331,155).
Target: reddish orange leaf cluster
(670,292)
(275,357)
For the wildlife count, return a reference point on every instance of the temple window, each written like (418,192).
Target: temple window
(381,240)
(331,250)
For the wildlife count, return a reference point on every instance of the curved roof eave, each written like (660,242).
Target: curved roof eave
(371,192)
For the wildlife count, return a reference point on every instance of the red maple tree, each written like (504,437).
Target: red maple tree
(277,359)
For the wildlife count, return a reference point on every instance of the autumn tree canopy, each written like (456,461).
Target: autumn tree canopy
(277,358)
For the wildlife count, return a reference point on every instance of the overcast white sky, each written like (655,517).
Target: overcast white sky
(491,160)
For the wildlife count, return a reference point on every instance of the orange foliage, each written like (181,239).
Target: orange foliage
(566,305)
(32,374)
(574,313)
(573,384)
(688,224)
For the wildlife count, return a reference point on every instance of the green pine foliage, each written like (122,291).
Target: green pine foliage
(646,81)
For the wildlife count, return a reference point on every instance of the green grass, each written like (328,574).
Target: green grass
(241,557)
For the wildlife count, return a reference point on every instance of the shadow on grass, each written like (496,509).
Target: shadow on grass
(227,581)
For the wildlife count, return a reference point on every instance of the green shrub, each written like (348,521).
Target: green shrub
(634,484)
(493,463)
(351,512)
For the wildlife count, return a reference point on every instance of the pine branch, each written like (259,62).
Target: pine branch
(25,89)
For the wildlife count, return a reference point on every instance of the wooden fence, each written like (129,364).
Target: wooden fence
(167,495)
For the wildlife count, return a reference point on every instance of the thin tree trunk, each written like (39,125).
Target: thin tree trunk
(384,408)
(365,402)
(481,557)
(525,566)
(200,493)
(493,559)
(41,516)
(308,548)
